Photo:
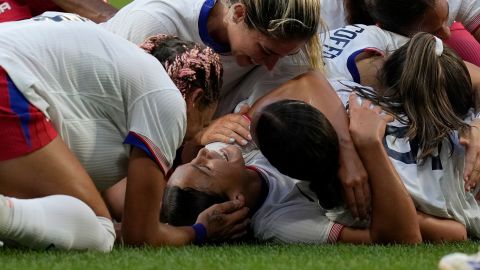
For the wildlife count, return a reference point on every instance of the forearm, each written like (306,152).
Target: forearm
(394,217)
(95,10)
(141,220)
(439,230)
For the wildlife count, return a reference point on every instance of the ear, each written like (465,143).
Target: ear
(239,12)
(193,99)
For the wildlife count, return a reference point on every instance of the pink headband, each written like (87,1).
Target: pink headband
(183,69)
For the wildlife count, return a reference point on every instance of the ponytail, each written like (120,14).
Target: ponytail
(431,87)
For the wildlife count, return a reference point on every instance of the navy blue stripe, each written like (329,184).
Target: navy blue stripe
(135,141)
(19,105)
(352,66)
(203,31)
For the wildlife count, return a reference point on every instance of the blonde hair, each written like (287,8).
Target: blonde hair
(286,20)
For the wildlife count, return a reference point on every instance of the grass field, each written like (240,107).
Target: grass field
(241,257)
(119,3)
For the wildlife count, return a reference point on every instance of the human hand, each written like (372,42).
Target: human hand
(367,123)
(354,179)
(470,139)
(230,128)
(226,220)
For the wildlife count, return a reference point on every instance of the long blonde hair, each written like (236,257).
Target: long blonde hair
(286,20)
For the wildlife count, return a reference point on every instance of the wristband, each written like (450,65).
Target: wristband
(200,233)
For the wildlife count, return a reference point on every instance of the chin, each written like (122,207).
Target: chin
(243,61)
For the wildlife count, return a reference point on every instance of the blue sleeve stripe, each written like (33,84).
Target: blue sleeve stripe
(135,141)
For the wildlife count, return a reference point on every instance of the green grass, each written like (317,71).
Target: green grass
(120,3)
(241,257)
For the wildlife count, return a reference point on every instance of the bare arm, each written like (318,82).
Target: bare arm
(95,10)
(394,218)
(438,230)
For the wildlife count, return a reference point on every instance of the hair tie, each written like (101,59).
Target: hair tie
(438,46)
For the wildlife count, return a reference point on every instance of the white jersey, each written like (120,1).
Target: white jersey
(465,11)
(290,212)
(333,14)
(341,46)
(98,90)
(436,185)
(187,19)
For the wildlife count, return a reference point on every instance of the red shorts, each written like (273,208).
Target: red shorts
(11,10)
(23,128)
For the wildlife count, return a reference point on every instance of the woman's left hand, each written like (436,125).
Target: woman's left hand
(470,139)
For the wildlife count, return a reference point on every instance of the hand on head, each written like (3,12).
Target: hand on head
(226,220)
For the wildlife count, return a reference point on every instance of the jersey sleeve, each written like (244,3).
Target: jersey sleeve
(469,14)
(157,125)
(302,224)
(140,24)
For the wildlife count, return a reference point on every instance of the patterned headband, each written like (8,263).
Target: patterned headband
(183,69)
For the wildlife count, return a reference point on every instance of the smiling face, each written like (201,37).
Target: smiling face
(222,173)
(251,47)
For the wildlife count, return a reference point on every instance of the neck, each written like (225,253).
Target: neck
(216,27)
(252,190)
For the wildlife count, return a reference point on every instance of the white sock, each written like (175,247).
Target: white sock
(58,221)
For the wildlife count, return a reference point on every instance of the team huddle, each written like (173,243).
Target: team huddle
(174,122)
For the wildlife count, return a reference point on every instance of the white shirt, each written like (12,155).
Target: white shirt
(143,18)
(96,88)
(436,186)
(465,11)
(290,212)
(341,45)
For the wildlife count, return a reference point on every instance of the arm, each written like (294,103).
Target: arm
(439,230)
(314,89)
(470,139)
(143,197)
(394,218)
(95,10)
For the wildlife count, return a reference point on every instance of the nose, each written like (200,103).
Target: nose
(444,32)
(271,61)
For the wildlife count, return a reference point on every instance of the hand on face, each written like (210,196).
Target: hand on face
(367,123)
(230,128)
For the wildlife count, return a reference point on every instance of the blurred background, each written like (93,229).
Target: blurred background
(119,3)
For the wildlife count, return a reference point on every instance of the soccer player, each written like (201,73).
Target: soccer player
(117,112)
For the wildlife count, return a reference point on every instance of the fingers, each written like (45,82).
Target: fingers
(227,207)
(360,202)
(230,128)
(350,198)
